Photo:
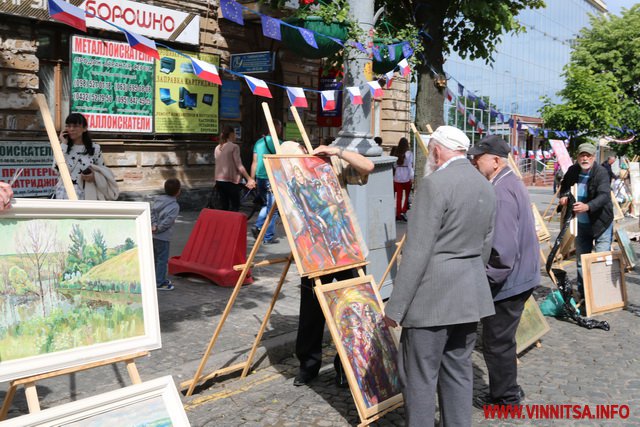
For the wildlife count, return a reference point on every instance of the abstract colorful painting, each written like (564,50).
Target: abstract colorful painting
(154,403)
(74,282)
(367,347)
(318,219)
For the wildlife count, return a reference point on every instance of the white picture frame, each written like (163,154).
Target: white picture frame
(132,286)
(147,401)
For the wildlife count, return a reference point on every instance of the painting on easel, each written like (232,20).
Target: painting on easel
(76,284)
(316,213)
(367,347)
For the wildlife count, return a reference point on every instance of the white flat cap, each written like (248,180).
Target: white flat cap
(451,137)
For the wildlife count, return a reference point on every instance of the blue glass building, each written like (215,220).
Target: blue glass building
(527,66)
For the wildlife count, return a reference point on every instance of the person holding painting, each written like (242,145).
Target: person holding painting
(351,168)
(6,194)
(80,153)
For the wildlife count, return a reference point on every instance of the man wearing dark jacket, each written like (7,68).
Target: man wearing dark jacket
(513,270)
(593,207)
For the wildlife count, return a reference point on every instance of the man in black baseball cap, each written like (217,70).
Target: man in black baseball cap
(513,270)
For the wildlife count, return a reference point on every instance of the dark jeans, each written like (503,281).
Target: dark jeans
(265,193)
(161,257)
(499,346)
(311,323)
(229,195)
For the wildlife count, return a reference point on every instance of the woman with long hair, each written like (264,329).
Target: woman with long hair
(80,153)
(402,177)
(229,171)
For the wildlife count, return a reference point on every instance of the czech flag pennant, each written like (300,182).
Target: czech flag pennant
(258,87)
(68,14)
(515,151)
(460,107)
(308,36)
(232,11)
(480,127)
(142,44)
(328,100)
(546,154)
(206,71)
(523,153)
(355,95)
(539,154)
(405,70)
(389,76)
(532,155)
(376,90)
(296,97)
(448,94)
(472,120)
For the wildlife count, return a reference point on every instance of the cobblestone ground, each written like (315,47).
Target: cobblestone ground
(572,366)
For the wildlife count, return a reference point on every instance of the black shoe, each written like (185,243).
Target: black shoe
(341,378)
(272,241)
(482,401)
(254,232)
(303,378)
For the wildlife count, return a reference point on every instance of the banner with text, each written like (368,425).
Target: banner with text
(112,85)
(184,102)
(36,158)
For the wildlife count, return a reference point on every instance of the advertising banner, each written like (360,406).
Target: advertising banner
(112,85)
(184,102)
(36,158)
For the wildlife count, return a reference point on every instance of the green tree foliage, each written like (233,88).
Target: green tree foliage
(472,29)
(100,245)
(20,281)
(129,244)
(602,78)
(76,250)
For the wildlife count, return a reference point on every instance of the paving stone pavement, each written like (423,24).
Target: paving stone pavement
(573,365)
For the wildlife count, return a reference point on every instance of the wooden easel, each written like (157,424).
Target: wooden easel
(29,382)
(421,143)
(245,366)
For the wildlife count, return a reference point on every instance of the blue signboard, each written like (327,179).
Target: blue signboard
(254,62)
(230,100)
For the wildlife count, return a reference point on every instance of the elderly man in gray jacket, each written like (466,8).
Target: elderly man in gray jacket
(441,290)
(513,270)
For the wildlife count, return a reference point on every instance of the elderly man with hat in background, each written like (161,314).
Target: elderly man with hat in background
(593,208)
(513,270)
(441,290)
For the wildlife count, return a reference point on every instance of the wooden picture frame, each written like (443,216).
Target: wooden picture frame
(625,247)
(366,345)
(618,214)
(604,285)
(316,212)
(77,284)
(541,228)
(154,402)
(532,326)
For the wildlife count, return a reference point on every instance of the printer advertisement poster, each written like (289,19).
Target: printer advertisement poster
(112,85)
(184,103)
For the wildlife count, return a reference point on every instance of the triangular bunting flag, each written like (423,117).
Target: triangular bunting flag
(308,36)
(392,52)
(206,71)
(448,94)
(328,100)
(461,109)
(258,87)
(271,27)
(389,76)
(296,97)
(405,70)
(354,93)
(460,89)
(67,13)
(141,43)
(472,97)
(407,50)
(376,53)
(480,127)
(231,11)
(471,119)
(493,112)
(481,104)
(376,90)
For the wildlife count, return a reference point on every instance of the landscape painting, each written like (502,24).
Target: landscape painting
(318,219)
(366,345)
(70,284)
(154,403)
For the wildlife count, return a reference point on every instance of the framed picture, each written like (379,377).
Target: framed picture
(532,326)
(77,284)
(604,286)
(367,347)
(316,213)
(152,403)
(617,210)
(541,228)
(627,249)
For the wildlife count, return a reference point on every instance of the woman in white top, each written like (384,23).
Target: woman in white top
(79,153)
(402,177)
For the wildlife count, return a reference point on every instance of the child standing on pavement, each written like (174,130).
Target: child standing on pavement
(164,212)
